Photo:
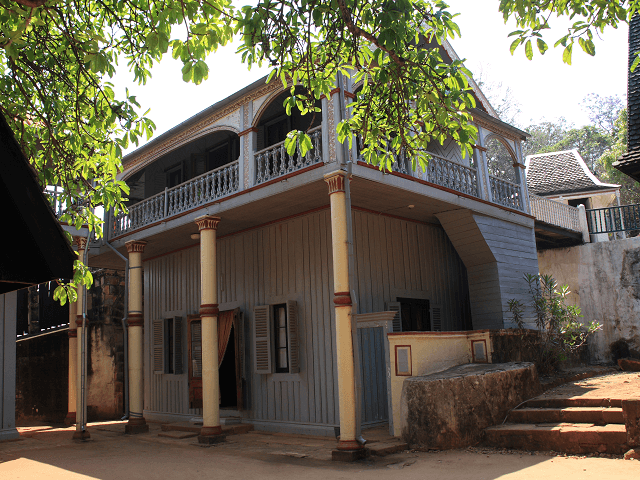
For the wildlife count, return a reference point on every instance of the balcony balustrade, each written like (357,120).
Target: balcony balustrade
(274,161)
(506,193)
(555,213)
(200,190)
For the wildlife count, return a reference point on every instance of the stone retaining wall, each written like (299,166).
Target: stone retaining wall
(451,409)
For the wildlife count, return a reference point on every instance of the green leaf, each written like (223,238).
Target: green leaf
(528,49)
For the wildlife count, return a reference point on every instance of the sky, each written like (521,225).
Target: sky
(545,88)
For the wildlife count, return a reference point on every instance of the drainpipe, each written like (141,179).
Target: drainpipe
(124,328)
(83,347)
(348,164)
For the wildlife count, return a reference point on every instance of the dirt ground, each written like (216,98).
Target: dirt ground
(45,451)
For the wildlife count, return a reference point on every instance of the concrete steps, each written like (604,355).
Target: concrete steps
(569,425)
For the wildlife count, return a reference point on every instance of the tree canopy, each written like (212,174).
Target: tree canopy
(57,57)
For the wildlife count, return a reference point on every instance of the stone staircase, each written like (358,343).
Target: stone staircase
(569,425)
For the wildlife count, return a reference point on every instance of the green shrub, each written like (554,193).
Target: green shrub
(560,331)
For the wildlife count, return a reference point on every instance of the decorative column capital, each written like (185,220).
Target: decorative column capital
(336,181)
(80,242)
(207,222)
(135,246)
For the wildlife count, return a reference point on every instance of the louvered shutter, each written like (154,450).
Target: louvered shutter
(177,345)
(436,318)
(293,337)
(158,346)
(196,349)
(262,339)
(397,319)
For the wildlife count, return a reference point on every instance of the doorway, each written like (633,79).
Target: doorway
(230,366)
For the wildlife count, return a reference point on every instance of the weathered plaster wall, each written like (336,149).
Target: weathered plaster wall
(42,360)
(105,347)
(605,281)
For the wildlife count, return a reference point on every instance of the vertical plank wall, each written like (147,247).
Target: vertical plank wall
(292,260)
(398,258)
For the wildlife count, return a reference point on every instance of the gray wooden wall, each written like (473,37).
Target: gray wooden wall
(8,304)
(497,254)
(292,260)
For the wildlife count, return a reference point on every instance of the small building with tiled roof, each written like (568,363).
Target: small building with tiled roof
(563,176)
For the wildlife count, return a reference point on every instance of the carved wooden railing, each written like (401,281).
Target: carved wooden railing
(274,161)
(555,213)
(506,193)
(440,171)
(452,175)
(203,189)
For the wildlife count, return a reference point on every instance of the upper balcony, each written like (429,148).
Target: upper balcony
(237,147)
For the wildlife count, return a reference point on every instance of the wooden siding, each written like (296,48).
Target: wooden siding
(497,254)
(397,258)
(292,260)
(373,375)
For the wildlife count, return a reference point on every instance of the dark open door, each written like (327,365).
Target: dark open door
(194,329)
(195,358)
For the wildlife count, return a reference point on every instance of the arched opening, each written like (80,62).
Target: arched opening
(500,161)
(196,158)
(274,123)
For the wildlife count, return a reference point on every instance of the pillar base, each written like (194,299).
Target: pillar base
(349,455)
(81,435)
(211,439)
(70,419)
(135,426)
(211,435)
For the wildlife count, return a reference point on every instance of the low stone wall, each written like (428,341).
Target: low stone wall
(426,353)
(451,409)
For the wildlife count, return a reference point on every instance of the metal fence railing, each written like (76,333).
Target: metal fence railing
(614,219)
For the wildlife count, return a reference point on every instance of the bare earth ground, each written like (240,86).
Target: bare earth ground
(48,452)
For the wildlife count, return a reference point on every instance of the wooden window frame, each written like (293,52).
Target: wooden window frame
(268,331)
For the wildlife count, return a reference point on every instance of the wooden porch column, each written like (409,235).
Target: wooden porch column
(348,447)
(81,404)
(136,423)
(73,358)
(211,431)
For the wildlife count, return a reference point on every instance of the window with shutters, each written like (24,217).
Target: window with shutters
(167,345)
(276,342)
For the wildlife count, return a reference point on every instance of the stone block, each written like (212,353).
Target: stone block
(631,412)
(629,364)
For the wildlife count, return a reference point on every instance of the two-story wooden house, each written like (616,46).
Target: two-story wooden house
(281,250)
